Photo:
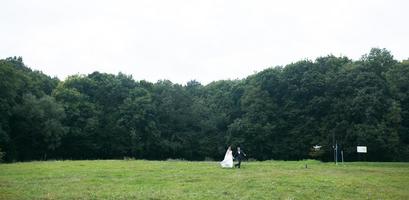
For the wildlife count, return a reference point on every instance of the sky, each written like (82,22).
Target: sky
(203,40)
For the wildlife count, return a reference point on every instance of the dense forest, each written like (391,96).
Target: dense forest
(279,113)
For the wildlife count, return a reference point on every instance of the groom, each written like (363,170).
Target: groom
(239,156)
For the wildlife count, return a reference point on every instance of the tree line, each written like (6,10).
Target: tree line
(278,113)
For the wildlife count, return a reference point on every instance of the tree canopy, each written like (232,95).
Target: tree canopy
(278,113)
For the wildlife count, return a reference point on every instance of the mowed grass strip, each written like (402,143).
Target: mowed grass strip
(138,179)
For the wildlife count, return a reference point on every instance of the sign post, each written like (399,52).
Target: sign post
(336,153)
(360,150)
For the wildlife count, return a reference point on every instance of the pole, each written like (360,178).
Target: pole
(336,152)
(333,146)
(342,156)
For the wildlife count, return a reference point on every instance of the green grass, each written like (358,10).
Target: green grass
(117,179)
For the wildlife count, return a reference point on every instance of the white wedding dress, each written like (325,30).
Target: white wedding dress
(228,159)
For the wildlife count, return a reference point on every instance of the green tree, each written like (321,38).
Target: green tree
(37,128)
(82,118)
(398,81)
(137,121)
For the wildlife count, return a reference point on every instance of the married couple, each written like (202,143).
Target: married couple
(228,158)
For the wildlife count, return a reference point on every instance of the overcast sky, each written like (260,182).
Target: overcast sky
(204,40)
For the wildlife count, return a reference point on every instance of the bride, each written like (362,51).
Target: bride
(228,159)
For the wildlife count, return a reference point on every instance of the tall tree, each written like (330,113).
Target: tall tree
(37,127)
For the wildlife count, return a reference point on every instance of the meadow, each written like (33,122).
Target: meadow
(140,179)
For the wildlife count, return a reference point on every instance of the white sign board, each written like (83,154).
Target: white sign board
(361,149)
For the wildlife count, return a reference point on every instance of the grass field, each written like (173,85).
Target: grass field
(137,179)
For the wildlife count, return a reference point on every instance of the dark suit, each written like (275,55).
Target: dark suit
(239,156)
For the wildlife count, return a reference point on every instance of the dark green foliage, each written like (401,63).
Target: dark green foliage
(279,113)
(1,155)
(36,127)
